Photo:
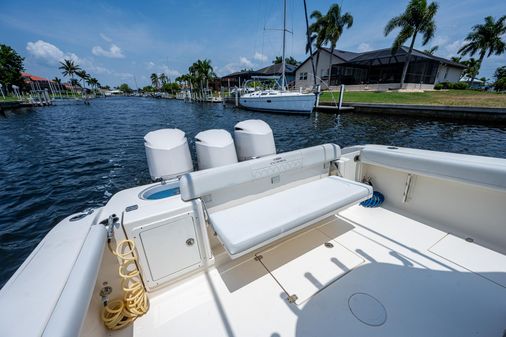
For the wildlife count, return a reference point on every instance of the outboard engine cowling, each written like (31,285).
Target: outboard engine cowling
(168,153)
(215,148)
(253,139)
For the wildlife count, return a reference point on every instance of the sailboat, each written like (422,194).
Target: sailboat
(280,100)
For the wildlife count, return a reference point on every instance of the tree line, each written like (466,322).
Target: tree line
(71,69)
(161,83)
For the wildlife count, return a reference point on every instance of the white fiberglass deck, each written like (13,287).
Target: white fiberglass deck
(396,274)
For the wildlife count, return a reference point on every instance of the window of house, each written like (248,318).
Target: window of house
(305,76)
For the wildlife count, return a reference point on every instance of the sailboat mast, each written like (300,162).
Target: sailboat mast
(283,65)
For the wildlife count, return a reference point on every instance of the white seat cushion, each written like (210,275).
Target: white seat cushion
(256,223)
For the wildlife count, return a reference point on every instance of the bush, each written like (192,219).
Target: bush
(460,86)
(500,84)
(449,85)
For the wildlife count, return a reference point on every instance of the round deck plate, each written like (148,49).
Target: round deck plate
(367,309)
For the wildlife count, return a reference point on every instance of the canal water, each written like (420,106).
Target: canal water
(59,160)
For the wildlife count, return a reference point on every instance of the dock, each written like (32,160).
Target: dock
(334,109)
(455,113)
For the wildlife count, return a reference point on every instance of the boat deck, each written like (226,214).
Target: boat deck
(363,272)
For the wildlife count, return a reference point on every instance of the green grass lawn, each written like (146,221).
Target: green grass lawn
(8,99)
(450,97)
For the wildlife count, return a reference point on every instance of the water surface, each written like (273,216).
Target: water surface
(59,160)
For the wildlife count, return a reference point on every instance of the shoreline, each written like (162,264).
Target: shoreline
(459,113)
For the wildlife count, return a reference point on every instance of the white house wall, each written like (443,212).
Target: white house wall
(323,65)
(448,73)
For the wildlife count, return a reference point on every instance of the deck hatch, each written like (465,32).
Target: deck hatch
(467,254)
(306,264)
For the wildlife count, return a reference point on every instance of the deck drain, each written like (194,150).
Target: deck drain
(367,309)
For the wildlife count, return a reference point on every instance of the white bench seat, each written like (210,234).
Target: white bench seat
(253,224)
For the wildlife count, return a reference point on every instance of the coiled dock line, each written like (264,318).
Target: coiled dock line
(120,313)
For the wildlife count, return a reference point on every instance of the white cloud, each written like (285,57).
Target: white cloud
(162,68)
(100,70)
(245,62)
(228,69)
(113,52)
(105,37)
(170,72)
(363,47)
(124,76)
(439,41)
(260,57)
(49,53)
(235,66)
(452,49)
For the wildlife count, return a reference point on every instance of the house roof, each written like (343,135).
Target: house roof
(34,77)
(273,69)
(276,69)
(343,54)
(382,56)
(386,53)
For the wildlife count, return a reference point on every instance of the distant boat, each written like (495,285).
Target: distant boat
(113,93)
(281,100)
(183,94)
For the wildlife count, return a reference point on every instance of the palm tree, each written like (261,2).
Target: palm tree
(93,83)
(56,80)
(485,39)
(334,26)
(154,80)
(288,60)
(431,50)
(317,29)
(163,79)
(69,68)
(418,18)
(456,59)
(472,69)
(84,76)
(201,72)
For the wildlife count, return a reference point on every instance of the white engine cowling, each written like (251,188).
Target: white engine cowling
(253,139)
(168,153)
(215,148)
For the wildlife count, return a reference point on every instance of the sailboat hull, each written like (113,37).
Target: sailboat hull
(281,103)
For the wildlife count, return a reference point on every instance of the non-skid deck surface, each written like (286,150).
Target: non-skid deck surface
(386,274)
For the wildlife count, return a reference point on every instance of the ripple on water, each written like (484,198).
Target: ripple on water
(59,160)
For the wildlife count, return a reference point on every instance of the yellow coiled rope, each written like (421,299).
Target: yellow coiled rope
(119,313)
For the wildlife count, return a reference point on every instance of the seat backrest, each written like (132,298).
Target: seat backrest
(222,184)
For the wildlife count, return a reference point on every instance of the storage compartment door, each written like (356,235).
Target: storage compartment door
(170,248)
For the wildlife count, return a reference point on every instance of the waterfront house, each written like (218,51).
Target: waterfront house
(377,70)
(36,82)
(476,84)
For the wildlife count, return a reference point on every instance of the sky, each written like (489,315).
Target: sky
(125,41)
